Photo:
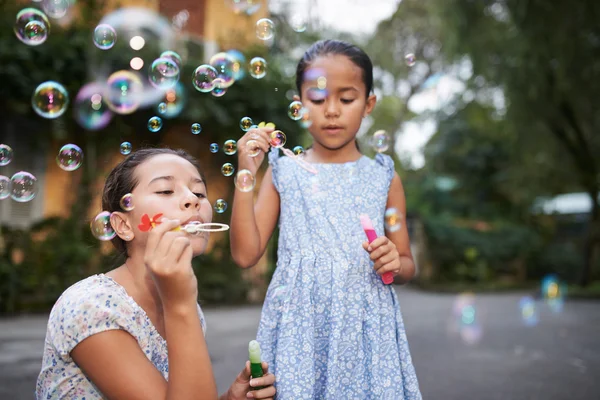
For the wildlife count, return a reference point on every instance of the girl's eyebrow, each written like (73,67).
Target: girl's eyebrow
(171,177)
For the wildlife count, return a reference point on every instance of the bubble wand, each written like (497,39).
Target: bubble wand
(256,370)
(193,228)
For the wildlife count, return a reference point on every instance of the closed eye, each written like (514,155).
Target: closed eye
(166,192)
(200,195)
(347,101)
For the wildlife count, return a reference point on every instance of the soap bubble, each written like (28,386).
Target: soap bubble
(56,8)
(69,157)
(277,139)
(298,23)
(553,292)
(247,7)
(164,73)
(6,154)
(105,37)
(466,321)
(246,123)
(219,90)
(244,181)
(264,29)
(174,101)
(227,169)
(162,107)
(203,78)
(305,120)
(214,148)
(101,227)
(239,62)
(410,59)
(295,110)
(299,151)
(196,128)
(4,187)
(32,26)
(230,147)
(50,100)
(23,187)
(173,56)
(125,148)
(316,94)
(223,64)
(529,314)
(126,202)
(258,68)
(380,141)
(220,206)
(253,148)
(154,124)
(123,92)
(392,220)
(90,109)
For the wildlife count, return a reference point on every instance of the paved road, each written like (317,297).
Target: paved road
(559,358)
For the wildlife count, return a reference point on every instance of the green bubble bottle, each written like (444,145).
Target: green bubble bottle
(256,370)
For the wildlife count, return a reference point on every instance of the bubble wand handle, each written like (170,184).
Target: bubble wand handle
(367,225)
(256,370)
(300,161)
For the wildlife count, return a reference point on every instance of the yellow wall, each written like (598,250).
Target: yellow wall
(229,29)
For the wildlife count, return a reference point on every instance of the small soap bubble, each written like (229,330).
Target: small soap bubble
(316,94)
(239,61)
(230,147)
(23,187)
(50,100)
(227,169)
(305,120)
(214,148)
(203,78)
(6,154)
(164,73)
(265,29)
(295,110)
(219,89)
(380,141)
(196,128)
(126,202)
(466,319)
(553,292)
(125,148)
(220,206)
(253,148)
(298,23)
(4,187)
(32,26)
(174,99)
(258,68)
(529,314)
(277,139)
(246,123)
(299,151)
(247,7)
(101,227)
(56,8)
(173,56)
(410,59)
(223,63)
(90,109)
(69,157)
(162,108)
(244,181)
(154,124)
(124,92)
(105,36)
(392,220)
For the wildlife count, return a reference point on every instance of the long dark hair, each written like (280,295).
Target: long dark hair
(121,180)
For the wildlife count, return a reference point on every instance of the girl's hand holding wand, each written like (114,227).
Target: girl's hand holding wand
(244,387)
(385,255)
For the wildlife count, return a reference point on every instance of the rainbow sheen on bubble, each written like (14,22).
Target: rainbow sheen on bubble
(204,77)
(155,124)
(6,154)
(277,139)
(163,73)
(89,108)
(126,202)
(219,90)
(244,181)
(214,148)
(50,100)
(173,56)
(105,37)
(392,220)
(230,147)
(380,141)
(410,59)
(253,148)
(220,206)
(223,63)
(4,187)
(246,123)
(299,151)
(69,157)
(265,29)
(101,227)
(161,108)
(174,99)
(56,8)
(227,169)
(123,92)
(298,23)
(196,128)
(23,186)
(125,148)
(239,61)
(295,110)
(554,292)
(257,68)
(32,26)
(466,319)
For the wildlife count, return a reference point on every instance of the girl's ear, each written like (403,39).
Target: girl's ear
(371,100)
(120,223)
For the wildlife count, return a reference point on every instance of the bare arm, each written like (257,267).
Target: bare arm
(252,224)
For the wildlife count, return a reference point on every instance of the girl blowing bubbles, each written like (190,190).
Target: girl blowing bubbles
(108,334)
(330,328)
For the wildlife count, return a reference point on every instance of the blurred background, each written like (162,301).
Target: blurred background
(489,108)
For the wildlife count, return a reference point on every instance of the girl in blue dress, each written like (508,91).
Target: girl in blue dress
(330,328)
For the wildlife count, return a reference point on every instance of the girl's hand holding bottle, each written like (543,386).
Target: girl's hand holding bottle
(385,255)
(252,148)
(168,257)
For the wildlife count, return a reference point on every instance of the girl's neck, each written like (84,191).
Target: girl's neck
(135,278)
(320,154)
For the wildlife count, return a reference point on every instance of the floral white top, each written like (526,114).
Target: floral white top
(93,305)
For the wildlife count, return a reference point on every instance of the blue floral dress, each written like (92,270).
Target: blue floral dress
(330,329)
